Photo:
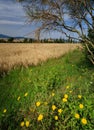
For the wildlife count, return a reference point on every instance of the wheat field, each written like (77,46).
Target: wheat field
(12,55)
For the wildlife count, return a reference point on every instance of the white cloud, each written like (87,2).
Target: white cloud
(7,22)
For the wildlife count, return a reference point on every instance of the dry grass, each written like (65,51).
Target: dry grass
(12,55)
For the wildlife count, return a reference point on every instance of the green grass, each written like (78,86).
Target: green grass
(47,83)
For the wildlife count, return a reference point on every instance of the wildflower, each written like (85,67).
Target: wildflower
(37,104)
(77,116)
(70,91)
(5,110)
(25,94)
(53,94)
(56,117)
(84,121)
(40,117)
(81,106)
(79,96)
(59,110)
(22,124)
(64,99)
(66,96)
(27,123)
(18,98)
(53,107)
(67,87)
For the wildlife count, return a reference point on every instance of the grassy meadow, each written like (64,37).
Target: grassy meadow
(54,95)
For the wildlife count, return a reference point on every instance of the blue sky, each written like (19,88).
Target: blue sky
(13,20)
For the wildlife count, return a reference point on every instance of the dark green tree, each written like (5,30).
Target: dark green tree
(10,40)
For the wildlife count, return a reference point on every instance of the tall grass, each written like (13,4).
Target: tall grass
(55,95)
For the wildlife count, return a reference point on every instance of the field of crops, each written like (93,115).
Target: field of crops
(12,55)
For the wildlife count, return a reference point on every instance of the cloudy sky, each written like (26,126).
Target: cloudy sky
(13,19)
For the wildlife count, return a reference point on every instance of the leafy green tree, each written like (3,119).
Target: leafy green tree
(10,40)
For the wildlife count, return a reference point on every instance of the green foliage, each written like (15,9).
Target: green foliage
(89,46)
(2,41)
(10,40)
(91,34)
(48,96)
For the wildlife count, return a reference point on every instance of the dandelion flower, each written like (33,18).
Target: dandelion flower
(37,104)
(22,124)
(18,98)
(67,87)
(25,94)
(84,121)
(53,107)
(40,117)
(53,94)
(77,116)
(64,99)
(56,117)
(70,91)
(59,110)
(27,123)
(65,96)
(81,106)
(5,110)
(79,96)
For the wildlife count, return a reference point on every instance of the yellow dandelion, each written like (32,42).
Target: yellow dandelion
(64,99)
(77,116)
(53,107)
(65,96)
(56,117)
(59,110)
(81,106)
(67,87)
(40,117)
(27,123)
(18,98)
(70,91)
(38,104)
(22,124)
(25,94)
(53,94)
(84,121)
(79,96)
(5,110)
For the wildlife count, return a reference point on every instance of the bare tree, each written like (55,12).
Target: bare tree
(66,16)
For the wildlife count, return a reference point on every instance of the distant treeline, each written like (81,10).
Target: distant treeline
(31,40)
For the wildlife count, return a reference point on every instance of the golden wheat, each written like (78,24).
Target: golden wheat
(12,55)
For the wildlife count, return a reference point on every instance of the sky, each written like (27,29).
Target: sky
(13,21)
